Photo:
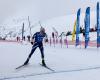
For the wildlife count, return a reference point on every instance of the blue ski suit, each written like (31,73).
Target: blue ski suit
(38,43)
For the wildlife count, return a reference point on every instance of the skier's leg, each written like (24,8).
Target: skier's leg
(42,54)
(32,51)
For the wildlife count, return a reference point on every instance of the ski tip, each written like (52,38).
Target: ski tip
(20,66)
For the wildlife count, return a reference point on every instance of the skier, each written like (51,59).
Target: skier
(53,34)
(37,40)
(28,38)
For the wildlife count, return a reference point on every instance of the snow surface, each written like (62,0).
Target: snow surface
(69,63)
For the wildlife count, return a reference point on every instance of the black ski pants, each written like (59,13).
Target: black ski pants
(40,45)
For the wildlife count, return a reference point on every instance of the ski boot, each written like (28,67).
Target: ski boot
(43,62)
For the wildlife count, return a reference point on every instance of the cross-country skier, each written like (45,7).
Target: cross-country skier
(37,40)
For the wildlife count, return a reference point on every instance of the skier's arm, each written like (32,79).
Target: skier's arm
(33,39)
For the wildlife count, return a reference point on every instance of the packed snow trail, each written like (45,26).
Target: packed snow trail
(51,72)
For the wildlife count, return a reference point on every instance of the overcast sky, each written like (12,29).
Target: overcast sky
(42,9)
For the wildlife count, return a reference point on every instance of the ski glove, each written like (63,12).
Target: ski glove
(46,40)
(32,43)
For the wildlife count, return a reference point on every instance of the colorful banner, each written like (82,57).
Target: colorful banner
(74,32)
(87,26)
(98,26)
(78,27)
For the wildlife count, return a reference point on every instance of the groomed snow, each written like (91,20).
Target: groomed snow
(69,63)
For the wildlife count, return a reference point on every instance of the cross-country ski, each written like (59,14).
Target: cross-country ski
(47,67)
(21,66)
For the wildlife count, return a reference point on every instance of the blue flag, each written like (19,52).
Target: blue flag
(87,26)
(98,26)
(78,27)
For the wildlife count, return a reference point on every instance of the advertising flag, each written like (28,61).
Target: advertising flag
(87,26)
(78,27)
(74,31)
(98,25)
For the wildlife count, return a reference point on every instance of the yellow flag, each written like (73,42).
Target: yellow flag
(74,31)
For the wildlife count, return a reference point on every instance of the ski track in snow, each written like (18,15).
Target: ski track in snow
(50,73)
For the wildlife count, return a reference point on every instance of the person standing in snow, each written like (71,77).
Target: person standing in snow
(37,41)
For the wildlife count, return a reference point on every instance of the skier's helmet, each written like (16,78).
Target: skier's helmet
(42,30)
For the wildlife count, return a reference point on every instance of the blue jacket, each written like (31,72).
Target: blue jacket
(39,37)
